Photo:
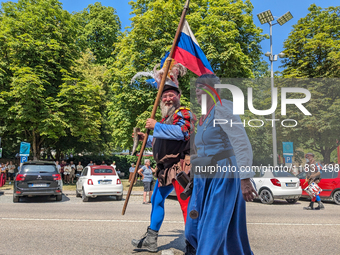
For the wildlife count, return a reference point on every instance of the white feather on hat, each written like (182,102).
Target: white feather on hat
(176,69)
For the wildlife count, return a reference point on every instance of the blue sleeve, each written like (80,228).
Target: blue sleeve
(166,131)
(149,141)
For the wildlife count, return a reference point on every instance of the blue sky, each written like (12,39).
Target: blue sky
(298,8)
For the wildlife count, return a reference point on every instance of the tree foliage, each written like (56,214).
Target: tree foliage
(320,131)
(313,51)
(313,47)
(37,42)
(224,30)
(100,27)
(54,94)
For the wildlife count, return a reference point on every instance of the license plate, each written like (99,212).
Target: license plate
(38,185)
(290,185)
(104,182)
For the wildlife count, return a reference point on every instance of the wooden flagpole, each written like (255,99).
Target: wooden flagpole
(159,94)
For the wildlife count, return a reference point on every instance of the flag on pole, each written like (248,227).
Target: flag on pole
(189,53)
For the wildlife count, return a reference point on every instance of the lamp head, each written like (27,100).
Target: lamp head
(284,18)
(265,17)
(281,55)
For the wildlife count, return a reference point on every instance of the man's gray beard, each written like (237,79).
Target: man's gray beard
(169,111)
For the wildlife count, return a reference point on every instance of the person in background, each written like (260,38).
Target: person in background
(79,168)
(11,169)
(118,172)
(103,163)
(6,170)
(58,166)
(114,165)
(67,173)
(147,175)
(131,171)
(313,175)
(62,166)
(73,171)
(2,174)
(91,163)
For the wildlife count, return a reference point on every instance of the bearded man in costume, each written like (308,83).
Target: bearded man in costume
(171,149)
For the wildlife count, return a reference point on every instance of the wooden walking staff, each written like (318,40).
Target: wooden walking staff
(159,94)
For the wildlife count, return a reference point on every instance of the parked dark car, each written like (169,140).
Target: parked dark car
(37,178)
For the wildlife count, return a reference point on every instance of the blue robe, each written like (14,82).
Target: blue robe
(221,227)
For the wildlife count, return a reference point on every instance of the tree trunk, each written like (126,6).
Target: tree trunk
(57,155)
(35,146)
(327,156)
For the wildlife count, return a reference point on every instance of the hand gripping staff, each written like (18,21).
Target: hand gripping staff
(159,94)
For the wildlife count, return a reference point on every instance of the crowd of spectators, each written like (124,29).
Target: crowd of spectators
(7,172)
(67,169)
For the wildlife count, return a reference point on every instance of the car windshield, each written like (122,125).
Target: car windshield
(283,174)
(38,168)
(301,175)
(103,171)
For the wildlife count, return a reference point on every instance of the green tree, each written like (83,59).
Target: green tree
(313,46)
(313,50)
(224,30)
(320,131)
(37,45)
(100,29)
(83,102)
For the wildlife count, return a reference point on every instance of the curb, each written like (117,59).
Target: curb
(71,193)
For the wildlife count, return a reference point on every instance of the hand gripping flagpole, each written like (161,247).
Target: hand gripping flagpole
(159,94)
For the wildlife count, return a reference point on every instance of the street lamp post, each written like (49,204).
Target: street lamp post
(267,17)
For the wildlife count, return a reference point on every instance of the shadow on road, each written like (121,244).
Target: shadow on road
(103,199)
(42,199)
(276,202)
(177,243)
(301,200)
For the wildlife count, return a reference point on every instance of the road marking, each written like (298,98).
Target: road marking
(292,224)
(169,222)
(87,220)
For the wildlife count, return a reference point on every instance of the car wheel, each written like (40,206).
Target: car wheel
(83,197)
(119,197)
(59,197)
(292,201)
(266,197)
(15,199)
(336,197)
(77,194)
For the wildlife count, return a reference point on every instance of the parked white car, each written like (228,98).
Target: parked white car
(99,181)
(272,185)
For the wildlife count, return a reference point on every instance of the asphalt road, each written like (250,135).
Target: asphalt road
(43,226)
